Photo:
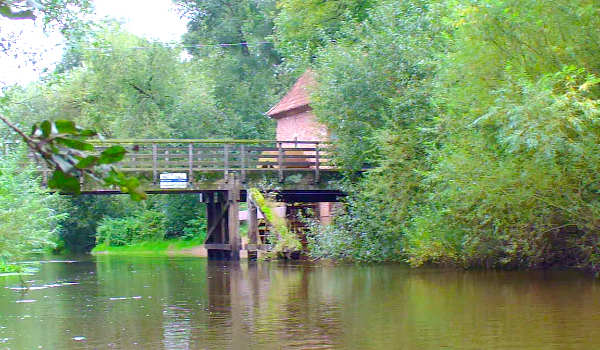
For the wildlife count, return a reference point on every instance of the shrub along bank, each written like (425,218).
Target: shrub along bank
(480,119)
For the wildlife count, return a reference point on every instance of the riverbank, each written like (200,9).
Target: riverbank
(174,247)
(156,248)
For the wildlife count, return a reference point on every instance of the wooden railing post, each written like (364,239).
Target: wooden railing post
(190,162)
(155,162)
(225,161)
(280,160)
(317,165)
(243,162)
(133,158)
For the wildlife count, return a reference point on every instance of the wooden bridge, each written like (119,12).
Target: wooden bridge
(208,163)
(222,171)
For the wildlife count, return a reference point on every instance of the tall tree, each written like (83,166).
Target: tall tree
(303,27)
(232,40)
(125,86)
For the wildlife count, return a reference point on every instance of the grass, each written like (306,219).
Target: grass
(10,268)
(162,247)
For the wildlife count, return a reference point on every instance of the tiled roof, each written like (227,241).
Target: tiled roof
(298,96)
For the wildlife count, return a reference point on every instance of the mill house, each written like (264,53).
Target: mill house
(296,121)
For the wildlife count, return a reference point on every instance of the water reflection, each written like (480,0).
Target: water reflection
(187,303)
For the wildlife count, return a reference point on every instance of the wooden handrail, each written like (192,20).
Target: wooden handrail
(226,156)
(210,141)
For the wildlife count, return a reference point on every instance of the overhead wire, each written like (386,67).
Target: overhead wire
(177,45)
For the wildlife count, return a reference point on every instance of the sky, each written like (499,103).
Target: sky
(152,19)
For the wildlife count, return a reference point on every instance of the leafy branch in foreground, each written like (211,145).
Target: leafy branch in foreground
(63,147)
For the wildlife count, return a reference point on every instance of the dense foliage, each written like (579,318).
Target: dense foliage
(230,43)
(27,221)
(147,225)
(481,120)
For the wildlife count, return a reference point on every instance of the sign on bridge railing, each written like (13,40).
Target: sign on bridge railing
(173,181)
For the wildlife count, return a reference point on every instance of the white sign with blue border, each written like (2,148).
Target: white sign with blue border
(173,180)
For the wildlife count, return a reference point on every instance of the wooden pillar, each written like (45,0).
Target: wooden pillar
(280,156)
(243,162)
(225,161)
(155,163)
(211,217)
(252,228)
(190,163)
(317,164)
(233,198)
(221,230)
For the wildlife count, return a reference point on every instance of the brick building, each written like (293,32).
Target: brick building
(295,118)
(297,122)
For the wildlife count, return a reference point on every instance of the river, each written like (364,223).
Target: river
(109,302)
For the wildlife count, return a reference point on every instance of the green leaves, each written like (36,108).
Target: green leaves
(65,126)
(127,184)
(65,148)
(75,144)
(112,155)
(65,182)
(29,218)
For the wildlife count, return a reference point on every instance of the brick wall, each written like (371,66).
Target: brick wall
(302,126)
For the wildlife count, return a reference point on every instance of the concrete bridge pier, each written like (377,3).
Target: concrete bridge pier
(223,240)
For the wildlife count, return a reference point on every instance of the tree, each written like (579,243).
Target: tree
(303,27)
(27,221)
(61,144)
(231,40)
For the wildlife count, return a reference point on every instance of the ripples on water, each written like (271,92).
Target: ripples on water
(190,303)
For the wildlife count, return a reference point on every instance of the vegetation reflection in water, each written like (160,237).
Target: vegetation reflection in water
(188,303)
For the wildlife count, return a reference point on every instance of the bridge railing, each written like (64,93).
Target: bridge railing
(7,147)
(225,156)
(242,156)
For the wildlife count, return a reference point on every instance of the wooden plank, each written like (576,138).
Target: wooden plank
(217,246)
(287,156)
(253,247)
(221,169)
(199,141)
(288,164)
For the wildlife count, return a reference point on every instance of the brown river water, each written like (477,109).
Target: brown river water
(109,302)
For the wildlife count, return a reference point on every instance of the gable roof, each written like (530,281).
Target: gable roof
(298,96)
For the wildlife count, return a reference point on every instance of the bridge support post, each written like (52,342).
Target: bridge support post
(216,216)
(233,199)
(252,247)
(223,222)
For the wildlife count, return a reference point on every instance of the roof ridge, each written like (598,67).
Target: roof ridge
(297,96)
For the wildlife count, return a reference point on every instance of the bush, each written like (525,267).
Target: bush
(480,119)
(195,229)
(28,223)
(147,225)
